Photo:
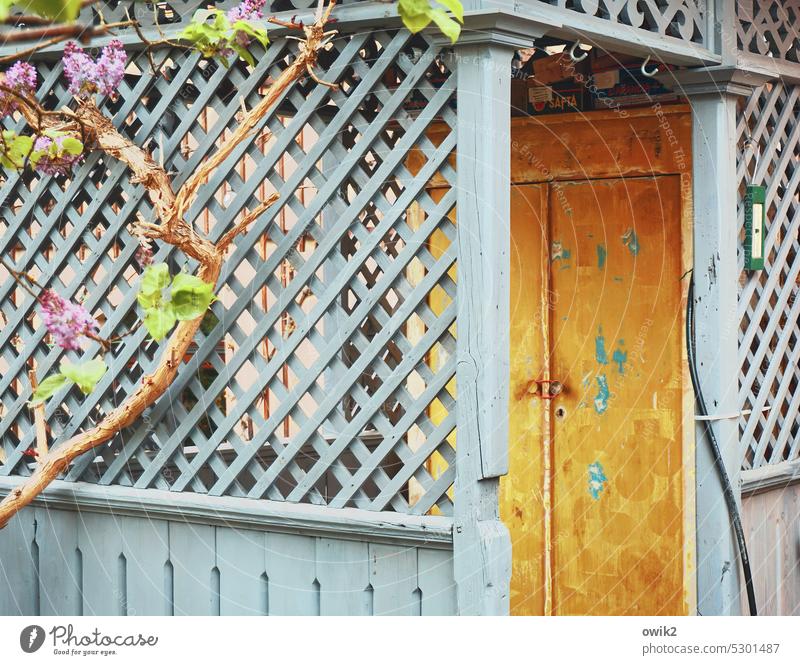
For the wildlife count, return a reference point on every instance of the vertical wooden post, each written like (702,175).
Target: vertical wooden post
(713,95)
(482,545)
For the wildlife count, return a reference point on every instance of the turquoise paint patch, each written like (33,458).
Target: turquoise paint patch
(631,241)
(597,480)
(620,356)
(602,253)
(601,399)
(600,347)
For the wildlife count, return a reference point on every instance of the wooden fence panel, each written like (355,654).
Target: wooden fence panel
(98,563)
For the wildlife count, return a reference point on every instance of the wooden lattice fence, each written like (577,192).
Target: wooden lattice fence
(769,307)
(313,379)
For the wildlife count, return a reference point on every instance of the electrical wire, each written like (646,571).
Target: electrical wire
(730,497)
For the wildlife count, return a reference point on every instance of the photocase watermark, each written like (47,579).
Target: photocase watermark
(31,638)
(66,641)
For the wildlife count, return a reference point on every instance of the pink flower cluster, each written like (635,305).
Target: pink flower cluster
(21,78)
(143,256)
(248,10)
(65,320)
(60,163)
(87,76)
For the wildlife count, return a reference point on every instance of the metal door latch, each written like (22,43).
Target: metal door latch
(546,388)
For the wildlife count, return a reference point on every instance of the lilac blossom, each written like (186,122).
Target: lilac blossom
(65,320)
(86,76)
(143,256)
(21,78)
(248,10)
(53,162)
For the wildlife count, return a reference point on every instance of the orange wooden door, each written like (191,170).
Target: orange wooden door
(522,501)
(594,498)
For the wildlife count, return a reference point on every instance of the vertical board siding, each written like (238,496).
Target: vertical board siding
(772,528)
(18,569)
(99,564)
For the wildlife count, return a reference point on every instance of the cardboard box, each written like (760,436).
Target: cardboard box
(627,87)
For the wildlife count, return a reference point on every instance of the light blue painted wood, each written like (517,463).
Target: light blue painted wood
(60,562)
(145,545)
(481,541)
(344,577)
(393,573)
(144,566)
(193,559)
(436,582)
(291,570)
(144,551)
(104,571)
(713,98)
(19,589)
(241,560)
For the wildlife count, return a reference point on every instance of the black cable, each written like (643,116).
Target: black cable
(730,497)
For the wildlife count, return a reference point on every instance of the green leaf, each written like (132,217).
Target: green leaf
(191,296)
(448,26)
(64,11)
(16,150)
(249,29)
(415,14)
(71,146)
(159,321)
(154,280)
(455,7)
(244,54)
(47,387)
(85,375)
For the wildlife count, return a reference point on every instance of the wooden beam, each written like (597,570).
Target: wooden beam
(482,545)
(241,513)
(713,94)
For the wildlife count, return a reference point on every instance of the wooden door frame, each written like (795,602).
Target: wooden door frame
(663,147)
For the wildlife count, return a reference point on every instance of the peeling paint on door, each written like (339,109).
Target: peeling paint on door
(620,356)
(600,353)
(601,256)
(597,480)
(631,241)
(558,252)
(601,399)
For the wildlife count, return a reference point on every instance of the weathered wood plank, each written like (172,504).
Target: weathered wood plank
(318,521)
(19,563)
(393,574)
(241,562)
(145,544)
(481,541)
(291,570)
(344,579)
(436,582)
(192,553)
(104,571)
(60,562)
(715,304)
